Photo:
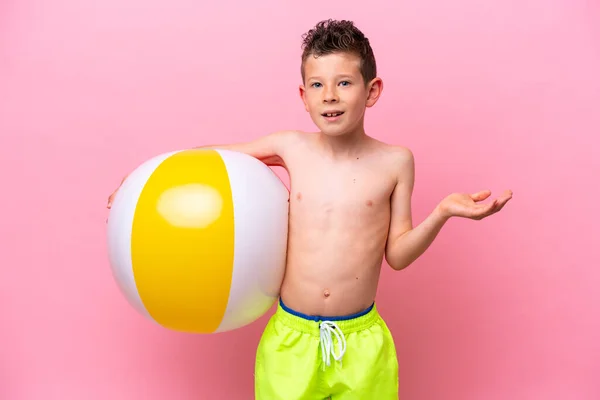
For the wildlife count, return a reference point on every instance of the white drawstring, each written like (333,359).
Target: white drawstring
(327,348)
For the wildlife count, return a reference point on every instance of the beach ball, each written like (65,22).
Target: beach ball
(197,239)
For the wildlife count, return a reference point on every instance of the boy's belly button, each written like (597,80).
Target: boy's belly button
(326,293)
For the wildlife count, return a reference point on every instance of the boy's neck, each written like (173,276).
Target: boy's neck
(347,145)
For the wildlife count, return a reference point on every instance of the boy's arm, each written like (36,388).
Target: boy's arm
(405,244)
(267,148)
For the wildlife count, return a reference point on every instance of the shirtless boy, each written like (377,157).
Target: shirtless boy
(350,207)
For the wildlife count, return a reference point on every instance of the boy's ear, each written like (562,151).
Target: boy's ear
(302,91)
(374,88)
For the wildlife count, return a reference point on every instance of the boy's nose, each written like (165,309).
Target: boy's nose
(330,96)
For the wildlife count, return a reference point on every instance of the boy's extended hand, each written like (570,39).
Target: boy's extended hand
(466,205)
(112,195)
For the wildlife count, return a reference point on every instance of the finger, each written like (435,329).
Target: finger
(507,195)
(482,195)
(500,205)
(495,209)
(501,202)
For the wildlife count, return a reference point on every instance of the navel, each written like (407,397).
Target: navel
(326,293)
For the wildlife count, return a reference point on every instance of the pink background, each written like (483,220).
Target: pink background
(488,94)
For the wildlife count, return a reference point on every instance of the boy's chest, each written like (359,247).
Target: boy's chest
(342,189)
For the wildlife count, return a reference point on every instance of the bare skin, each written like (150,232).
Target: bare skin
(350,196)
(338,225)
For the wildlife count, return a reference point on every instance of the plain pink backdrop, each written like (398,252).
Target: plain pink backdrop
(487,94)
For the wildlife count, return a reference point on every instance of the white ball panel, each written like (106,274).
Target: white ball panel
(261,208)
(119,229)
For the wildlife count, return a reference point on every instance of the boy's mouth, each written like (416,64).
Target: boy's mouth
(332,114)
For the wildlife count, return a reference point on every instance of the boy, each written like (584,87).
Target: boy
(350,206)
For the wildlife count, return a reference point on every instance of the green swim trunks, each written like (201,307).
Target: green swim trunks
(303,357)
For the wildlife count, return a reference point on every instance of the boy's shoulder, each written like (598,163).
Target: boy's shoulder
(397,153)
(292,134)
(399,161)
(402,154)
(289,138)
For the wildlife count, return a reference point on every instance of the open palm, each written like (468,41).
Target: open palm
(470,206)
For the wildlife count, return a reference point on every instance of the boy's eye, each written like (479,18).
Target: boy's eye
(316,84)
(344,83)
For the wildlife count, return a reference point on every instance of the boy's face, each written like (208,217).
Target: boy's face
(335,94)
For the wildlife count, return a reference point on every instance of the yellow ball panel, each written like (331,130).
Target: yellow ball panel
(182,242)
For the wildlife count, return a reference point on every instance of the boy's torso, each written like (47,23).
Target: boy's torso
(338,226)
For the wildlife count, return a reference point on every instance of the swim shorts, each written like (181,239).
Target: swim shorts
(301,357)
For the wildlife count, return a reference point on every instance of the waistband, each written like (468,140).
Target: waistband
(311,323)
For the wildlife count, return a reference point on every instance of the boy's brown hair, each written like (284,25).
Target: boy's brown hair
(331,36)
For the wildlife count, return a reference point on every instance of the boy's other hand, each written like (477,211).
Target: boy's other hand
(112,195)
(467,205)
